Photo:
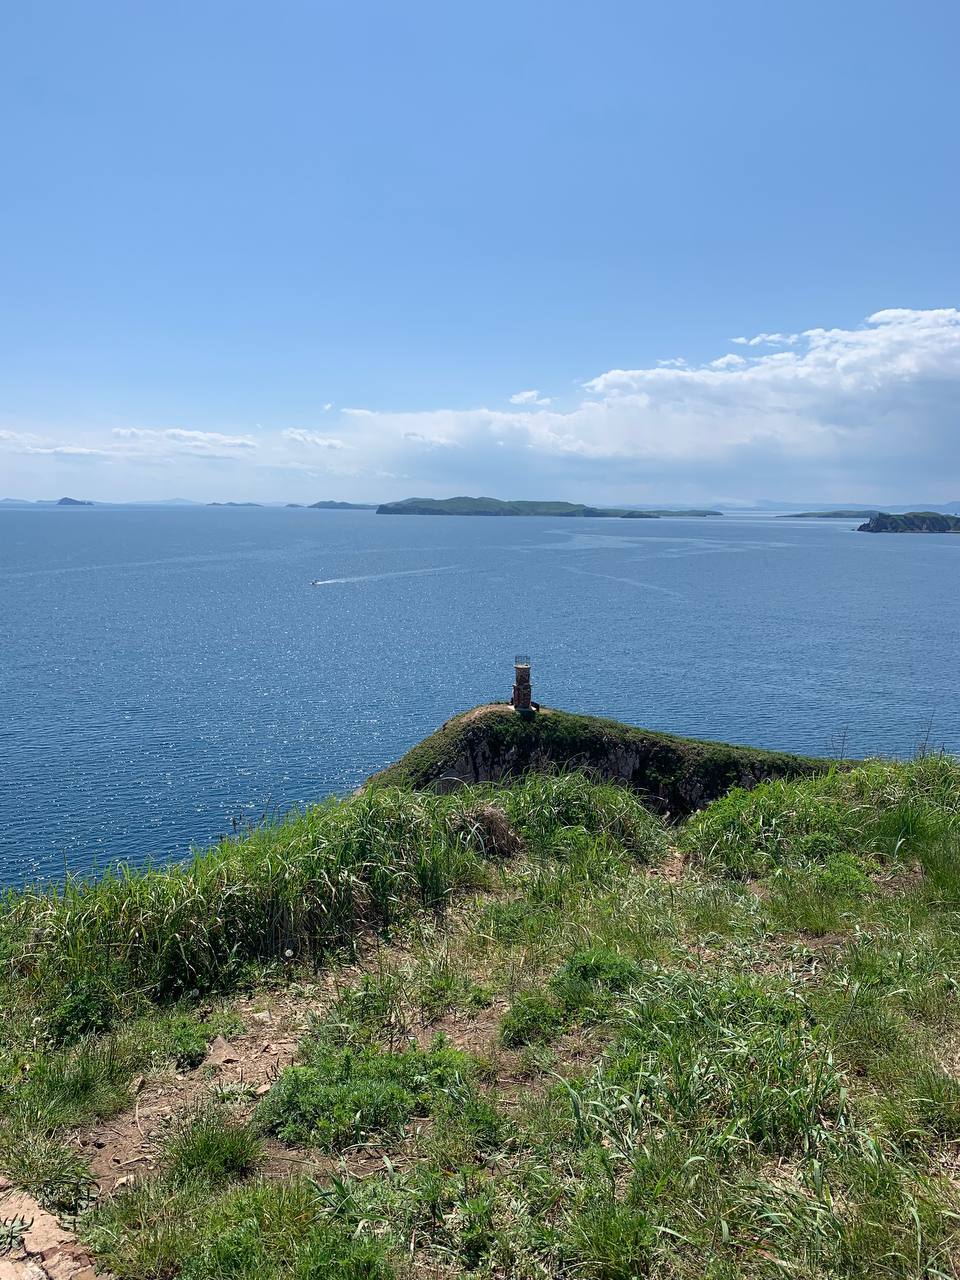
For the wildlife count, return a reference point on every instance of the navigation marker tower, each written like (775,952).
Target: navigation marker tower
(521,684)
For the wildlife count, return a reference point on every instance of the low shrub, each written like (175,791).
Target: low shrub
(533,1018)
(592,973)
(340,1097)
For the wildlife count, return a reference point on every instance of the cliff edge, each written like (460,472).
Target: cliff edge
(676,775)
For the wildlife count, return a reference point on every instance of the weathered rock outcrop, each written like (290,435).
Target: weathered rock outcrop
(678,775)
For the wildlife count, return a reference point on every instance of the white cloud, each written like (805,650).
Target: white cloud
(177,439)
(27,442)
(313,439)
(856,411)
(768,340)
(530,397)
(865,413)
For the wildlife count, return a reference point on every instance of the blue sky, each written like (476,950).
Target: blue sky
(293,251)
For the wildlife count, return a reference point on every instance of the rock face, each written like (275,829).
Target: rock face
(912,522)
(677,775)
(40,1248)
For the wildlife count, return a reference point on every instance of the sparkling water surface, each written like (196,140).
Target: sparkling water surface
(169,674)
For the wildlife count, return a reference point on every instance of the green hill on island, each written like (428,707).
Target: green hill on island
(464,506)
(330,504)
(693,513)
(911,522)
(528,1028)
(488,507)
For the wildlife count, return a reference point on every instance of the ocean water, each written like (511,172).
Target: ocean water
(170,675)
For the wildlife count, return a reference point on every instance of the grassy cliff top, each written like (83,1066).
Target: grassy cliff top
(508,1033)
(494,743)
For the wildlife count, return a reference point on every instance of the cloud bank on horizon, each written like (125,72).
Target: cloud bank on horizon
(862,414)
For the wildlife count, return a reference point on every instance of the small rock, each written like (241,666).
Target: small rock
(261,1089)
(220,1053)
(127,1180)
(20,1270)
(263,1016)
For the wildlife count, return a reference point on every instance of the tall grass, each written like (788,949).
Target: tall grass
(287,891)
(881,811)
(87,950)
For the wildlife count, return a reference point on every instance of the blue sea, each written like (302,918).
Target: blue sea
(171,675)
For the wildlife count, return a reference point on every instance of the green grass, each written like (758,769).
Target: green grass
(747,1072)
(533,1018)
(342,1097)
(257,1231)
(211,1145)
(288,892)
(880,813)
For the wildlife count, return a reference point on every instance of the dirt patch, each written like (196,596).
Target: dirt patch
(893,884)
(491,708)
(41,1249)
(672,869)
(243,1068)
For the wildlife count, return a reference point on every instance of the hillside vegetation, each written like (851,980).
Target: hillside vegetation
(673,775)
(499,507)
(533,1031)
(911,522)
(488,507)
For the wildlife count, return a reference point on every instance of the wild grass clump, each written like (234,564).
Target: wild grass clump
(533,1018)
(583,989)
(715,1052)
(341,1097)
(543,806)
(588,980)
(251,1231)
(820,897)
(881,812)
(211,1145)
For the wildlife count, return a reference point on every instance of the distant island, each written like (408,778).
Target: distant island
(329,505)
(234,504)
(853,514)
(668,512)
(487,507)
(73,502)
(464,506)
(911,522)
